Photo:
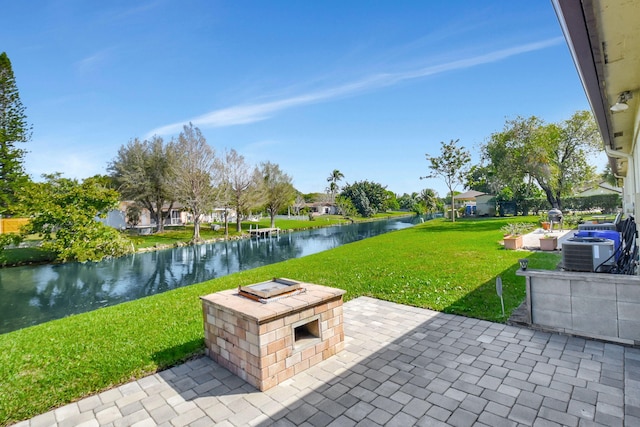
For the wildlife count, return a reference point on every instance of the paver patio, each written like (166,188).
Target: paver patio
(401,366)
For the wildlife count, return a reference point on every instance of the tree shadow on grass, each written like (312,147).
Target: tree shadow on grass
(178,354)
(484,299)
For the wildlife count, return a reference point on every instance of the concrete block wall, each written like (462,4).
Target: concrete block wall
(629,311)
(593,305)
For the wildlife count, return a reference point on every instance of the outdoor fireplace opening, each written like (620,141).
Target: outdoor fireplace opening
(306,332)
(270,331)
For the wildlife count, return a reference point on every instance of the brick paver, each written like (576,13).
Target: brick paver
(401,366)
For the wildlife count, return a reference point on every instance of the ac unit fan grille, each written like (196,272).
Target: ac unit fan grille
(587,253)
(577,257)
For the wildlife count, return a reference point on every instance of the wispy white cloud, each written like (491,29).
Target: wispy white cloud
(138,9)
(250,113)
(92,62)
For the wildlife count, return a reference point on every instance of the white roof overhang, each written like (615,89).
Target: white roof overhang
(604,38)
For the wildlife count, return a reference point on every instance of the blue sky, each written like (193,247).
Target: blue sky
(366,87)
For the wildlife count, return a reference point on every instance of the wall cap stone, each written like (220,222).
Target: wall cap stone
(606,278)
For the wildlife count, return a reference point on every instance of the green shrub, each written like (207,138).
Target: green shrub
(515,228)
(607,203)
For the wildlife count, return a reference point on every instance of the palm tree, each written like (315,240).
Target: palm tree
(333,188)
(430,199)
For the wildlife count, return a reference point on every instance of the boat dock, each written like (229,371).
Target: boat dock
(264,232)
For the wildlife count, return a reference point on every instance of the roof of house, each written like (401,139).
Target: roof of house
(468,195)
(601,188)
(314,204)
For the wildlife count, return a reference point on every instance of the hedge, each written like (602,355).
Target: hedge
(607,203)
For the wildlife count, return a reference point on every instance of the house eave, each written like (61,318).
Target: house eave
(602,37)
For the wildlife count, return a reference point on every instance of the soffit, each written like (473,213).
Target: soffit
(604,37)
(619,35)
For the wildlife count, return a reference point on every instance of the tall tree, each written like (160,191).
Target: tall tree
(144,172)
(608,176)
(482,178)
(194,172)
(298,204)
(345,206)
(407,201)
(277,189)
(368,198)
(429,197)
(63,211)
(333,179)
(13,130)
(451,165)
(243,185)
(391,202)
(225,194)
(555,156)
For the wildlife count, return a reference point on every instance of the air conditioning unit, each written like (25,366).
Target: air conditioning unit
(591,227)
(603,234)
(587,253)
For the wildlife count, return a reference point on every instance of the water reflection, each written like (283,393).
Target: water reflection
(34,294)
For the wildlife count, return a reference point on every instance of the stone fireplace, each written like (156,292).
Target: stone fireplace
(267,332)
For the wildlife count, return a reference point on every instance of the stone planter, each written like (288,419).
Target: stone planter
(512,242)
(548,243)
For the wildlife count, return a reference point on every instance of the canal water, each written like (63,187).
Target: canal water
(35,294)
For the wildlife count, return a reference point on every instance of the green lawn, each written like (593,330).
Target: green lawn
(24,256)
(439,265)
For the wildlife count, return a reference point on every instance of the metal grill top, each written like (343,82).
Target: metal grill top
(554,214)
(270,288)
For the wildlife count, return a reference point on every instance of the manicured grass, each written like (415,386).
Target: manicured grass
(22,256)
(173,236)
(296,224)
(438,265)
(390,214)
